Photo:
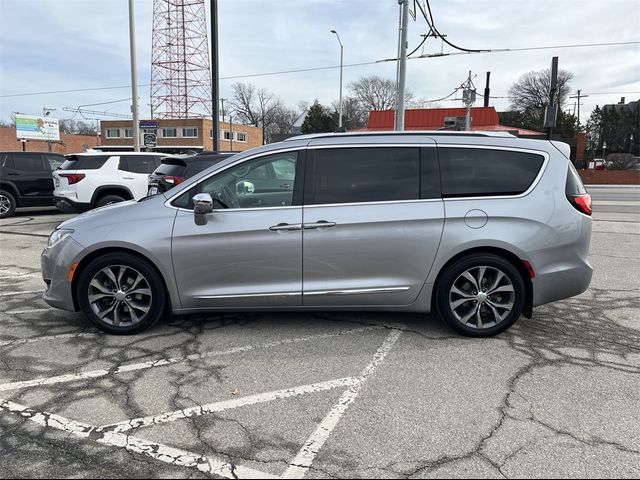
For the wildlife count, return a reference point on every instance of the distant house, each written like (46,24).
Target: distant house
(482,118)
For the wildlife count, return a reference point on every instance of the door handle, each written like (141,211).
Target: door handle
(318,224)
(285,185)
(285,227)
(128,178)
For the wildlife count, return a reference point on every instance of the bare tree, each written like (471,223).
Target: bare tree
(376,93)
(532,89)
(255,107)
(353,114)
(284,118)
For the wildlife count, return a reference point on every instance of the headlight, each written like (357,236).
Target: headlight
(57,236)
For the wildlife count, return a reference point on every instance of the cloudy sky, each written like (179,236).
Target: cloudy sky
(50,45)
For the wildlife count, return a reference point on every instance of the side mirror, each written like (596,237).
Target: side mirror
(202,206)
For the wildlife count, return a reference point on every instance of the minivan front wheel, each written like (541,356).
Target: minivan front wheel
(121,293)
(481,295)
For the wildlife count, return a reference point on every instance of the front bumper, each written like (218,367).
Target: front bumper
(55,263)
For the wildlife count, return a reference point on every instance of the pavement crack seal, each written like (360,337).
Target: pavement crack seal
(72,377)
(111,435)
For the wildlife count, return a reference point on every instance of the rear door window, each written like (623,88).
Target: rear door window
(367,174)
(138,163)
(470,172)
(28,162)
(84,162)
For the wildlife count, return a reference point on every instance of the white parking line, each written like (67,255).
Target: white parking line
(228,405)
(164,453)
(10,294)
(303,460)
(20,312)
(61,336)
(4,275)
(72,377)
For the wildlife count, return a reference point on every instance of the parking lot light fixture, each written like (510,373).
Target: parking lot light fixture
(340,100)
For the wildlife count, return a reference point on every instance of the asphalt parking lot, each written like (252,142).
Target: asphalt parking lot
(322,395)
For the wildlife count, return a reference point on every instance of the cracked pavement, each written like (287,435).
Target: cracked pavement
(324,395)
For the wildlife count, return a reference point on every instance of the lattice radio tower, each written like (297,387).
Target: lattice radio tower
(180,75)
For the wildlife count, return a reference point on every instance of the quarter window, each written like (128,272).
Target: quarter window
(138,163)
(348,175)
(483,172)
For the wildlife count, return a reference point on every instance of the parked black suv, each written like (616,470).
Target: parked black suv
(25,180)
(175,170)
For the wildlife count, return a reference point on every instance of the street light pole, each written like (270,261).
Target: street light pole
(402,64)
(341,60)
(134,78)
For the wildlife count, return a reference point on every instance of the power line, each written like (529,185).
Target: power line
(329,67)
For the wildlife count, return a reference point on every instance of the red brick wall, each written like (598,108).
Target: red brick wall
(610,177)
(67,144)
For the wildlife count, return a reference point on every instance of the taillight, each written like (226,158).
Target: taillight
(72,177)
(582,203)
(173,180)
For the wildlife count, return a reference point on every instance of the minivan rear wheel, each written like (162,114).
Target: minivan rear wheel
(121,293)
(481,295)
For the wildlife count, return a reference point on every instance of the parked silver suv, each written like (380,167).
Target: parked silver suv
(481,227)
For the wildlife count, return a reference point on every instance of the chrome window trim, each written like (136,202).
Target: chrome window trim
(535,182)
(543,168)
(356,291)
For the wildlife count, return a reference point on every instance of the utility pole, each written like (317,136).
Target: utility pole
(551,111)
(579,96)
(134,78)
(487,91)
(45,112)
(468,98)
(231,133)
(402,65)
(215,91)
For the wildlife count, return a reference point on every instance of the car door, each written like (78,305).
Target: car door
(242,257)
(134,171)
(372,223)
(32,178)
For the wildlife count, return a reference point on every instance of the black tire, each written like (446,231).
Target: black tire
(133,265)
(107,199)
(488,328)
(7,200)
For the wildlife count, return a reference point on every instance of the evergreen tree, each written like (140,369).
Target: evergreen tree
(318,120)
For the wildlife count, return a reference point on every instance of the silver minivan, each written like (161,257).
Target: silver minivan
(480,227)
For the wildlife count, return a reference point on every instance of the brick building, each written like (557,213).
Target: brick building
(68,143)
(174,135)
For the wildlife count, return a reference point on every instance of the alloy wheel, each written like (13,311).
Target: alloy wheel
(481,297)
(120,295)
(5,204)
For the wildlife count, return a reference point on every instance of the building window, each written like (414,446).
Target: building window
(113,133)
(241,136)
(189,132)
(226,135)
(128,133)
(211,133)
(169,132)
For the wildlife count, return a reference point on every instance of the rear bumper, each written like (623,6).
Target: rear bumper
(66,205)
(562,283)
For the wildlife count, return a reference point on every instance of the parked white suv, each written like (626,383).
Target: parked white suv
(94,179)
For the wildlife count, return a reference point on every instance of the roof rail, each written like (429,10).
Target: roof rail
(430,133)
